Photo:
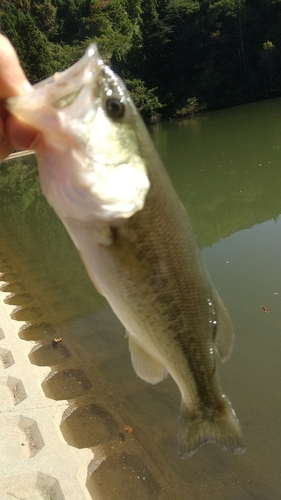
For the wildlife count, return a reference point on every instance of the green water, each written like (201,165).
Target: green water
(226,167)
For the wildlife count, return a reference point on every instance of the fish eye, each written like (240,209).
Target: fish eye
(114,108)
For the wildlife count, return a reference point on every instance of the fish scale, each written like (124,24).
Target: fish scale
(101,173)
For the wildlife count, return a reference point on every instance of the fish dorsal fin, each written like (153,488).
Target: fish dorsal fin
(224,336)
(145,366)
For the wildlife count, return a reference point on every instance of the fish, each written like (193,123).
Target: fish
(101,173)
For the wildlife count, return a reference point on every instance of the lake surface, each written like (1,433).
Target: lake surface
(226,167)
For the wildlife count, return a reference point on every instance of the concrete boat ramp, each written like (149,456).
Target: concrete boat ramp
(35,461)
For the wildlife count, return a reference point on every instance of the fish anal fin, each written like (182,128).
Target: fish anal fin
(224,336)
(194,430)
(145,366)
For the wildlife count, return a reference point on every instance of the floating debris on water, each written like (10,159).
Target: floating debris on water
(56,341)
(128,429)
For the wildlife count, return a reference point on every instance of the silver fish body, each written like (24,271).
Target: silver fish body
(101,173)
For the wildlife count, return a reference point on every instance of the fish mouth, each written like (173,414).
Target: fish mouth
(90,165)
(58,91)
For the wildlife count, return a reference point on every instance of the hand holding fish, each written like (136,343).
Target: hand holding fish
(13,82)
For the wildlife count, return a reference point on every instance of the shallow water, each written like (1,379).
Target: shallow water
(226,169)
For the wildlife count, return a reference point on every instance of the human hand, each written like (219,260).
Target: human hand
(13,82)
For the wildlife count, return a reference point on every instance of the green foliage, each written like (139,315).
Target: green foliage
(64,55)
(145,99)
(268,47)
(45,16)
(191,108)
(225,52)
(268,63)
(14,176)
(31,43)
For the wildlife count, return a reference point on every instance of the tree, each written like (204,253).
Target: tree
(45,16)
(31,44)
(145,99)
(268,58)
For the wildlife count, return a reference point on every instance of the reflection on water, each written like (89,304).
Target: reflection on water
(226,168)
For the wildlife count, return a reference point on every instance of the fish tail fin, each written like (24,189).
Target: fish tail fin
(222,429)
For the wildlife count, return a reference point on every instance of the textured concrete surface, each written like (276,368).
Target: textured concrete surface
(62,423)
(35,460)
(65,406)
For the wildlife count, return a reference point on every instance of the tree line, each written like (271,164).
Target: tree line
(176,56)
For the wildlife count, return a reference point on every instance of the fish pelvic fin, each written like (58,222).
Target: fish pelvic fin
(224,336)
(221,428)
(145,366)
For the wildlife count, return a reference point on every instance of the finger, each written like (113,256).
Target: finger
(13,81)
(21,135)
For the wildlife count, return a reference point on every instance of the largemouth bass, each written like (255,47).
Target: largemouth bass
(100,172)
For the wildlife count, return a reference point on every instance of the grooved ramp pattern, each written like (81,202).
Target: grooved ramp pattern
(35,461)
(31,486)
(65,409)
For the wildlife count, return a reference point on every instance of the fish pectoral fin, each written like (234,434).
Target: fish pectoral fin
(145,366)
(224,336)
